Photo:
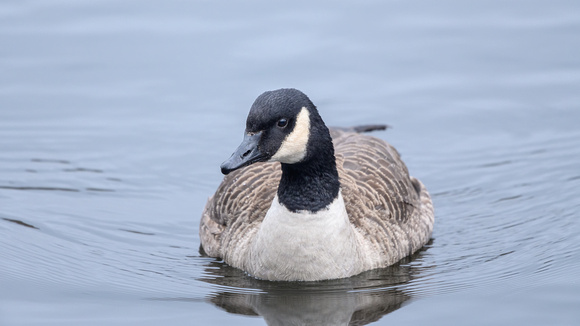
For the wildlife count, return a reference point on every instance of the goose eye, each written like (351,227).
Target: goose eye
(282,123)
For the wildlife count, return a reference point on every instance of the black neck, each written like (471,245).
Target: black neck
(310,185)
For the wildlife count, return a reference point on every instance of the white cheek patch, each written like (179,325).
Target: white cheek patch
(293,148)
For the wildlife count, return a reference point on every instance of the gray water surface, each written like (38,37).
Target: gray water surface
(115,116)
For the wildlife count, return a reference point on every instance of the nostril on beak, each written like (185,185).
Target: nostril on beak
(246,153)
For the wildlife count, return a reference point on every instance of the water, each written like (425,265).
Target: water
(114,118)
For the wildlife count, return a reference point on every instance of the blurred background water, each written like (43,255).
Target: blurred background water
(115,116)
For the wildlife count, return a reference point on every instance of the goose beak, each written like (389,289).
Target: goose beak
(246,154)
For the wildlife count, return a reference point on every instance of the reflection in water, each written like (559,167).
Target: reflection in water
(358,300)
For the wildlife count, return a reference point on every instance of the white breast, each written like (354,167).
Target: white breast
(305,246)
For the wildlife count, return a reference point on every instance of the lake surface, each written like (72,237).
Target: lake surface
(115,116)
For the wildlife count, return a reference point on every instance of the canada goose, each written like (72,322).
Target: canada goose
(325,212)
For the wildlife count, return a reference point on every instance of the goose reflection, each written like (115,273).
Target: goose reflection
(358,300)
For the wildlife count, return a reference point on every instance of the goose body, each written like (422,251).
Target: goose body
(338,202)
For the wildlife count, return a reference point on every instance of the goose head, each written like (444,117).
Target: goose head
(280,127)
